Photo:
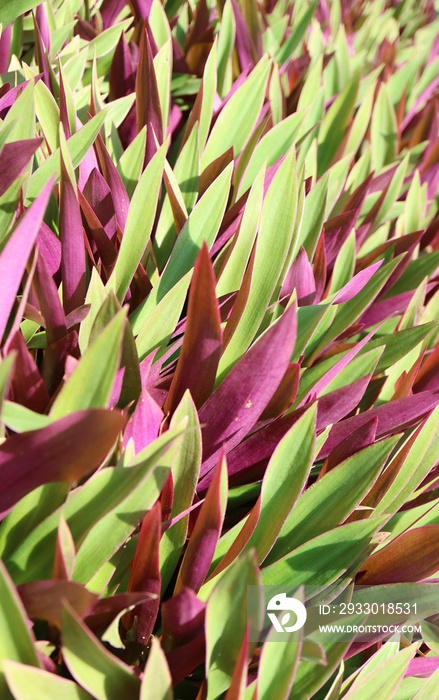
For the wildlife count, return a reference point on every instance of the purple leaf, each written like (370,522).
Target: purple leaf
(256,450)
(49,247)
(334,406)
(300,277)
(5,46)
(380,311)
(201,349)
(97,237)
(144,424)
(66,450)
(27,385)
(140,8)
(237,403)
(43,600)
(11,96)
(205,535)
(119,194)
(56,357)
(145,576)
(423,97)
(285,393)
(104,610)
(320,268)
(243,41)
(185,659)
(98,195)
(43,25)
(392,416)
(356,284)
(14,160)
(14,255)
(71,233)
(25,307)
(110,10)
(337,231)
(362,437)
(410,557)
(337,368)
(122,74)
(148,110)
(49,302)
(422,667)
(182,619)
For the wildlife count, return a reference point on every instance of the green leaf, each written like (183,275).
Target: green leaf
(422,456)
(237,119)
(209,86)
(184,458)
(226,40)
(310,677)
(383,130)
(160,324)
(113,529)
(28,683)
(28,513)
(273,242)
(156,681)
(349,311)
(96,669)
(415,272)
(131,384)
(90,383)
(16,640)
(96,296)
(78,145)
(186,172)
(383,681)
(19,418)
(226,623)
(234,269)
(301,24)
(102,494)
(360,122)
(335,122)
(21,115)
(10,11)
(202,225)
(278,664)
(105,42)
(271,147)
(46,109)
(344,265)
(313,216)
(430,689)
(346,484)
(398,344)
(283,481)
(6,366)
(163,70)
(139,224)
(131,162)
(323,559)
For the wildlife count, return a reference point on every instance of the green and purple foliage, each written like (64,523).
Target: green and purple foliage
(219,338)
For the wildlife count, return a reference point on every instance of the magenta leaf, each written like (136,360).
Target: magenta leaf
(144,424)
(14,160)
(201,349)
(14,255)
(237,403)
(66,450)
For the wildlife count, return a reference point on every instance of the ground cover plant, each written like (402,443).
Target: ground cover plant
(219,306)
